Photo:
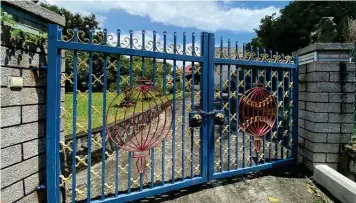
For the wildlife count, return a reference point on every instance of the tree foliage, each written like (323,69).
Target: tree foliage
(19,36)
(291,29)
(85,23)
(74,20)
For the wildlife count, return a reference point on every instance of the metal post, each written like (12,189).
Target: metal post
(53,102)
(210,99)
(295,109)
(205,103)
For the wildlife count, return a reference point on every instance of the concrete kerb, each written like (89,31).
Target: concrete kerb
(338,185)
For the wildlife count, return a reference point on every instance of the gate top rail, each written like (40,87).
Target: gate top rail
(235,55)
(134,44)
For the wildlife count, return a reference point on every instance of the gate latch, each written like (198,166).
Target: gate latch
(196,118)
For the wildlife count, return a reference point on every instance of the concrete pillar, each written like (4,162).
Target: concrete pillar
(326,98)
(23,116)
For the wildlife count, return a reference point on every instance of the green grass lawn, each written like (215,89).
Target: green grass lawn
(97,110)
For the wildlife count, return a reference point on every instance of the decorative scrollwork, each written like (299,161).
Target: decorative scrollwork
(135,44)
(149,46)
(81,37)
(98,38)
(69,35)
(125,43)
(110,42)
(170,49)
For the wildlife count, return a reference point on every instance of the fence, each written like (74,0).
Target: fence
(189,155)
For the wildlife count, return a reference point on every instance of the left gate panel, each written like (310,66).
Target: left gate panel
(125,118)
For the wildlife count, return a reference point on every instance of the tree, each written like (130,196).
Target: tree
(85,23)
(74,20)
(291,30)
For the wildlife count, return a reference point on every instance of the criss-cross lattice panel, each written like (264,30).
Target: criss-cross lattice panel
(93,165)
(237,70)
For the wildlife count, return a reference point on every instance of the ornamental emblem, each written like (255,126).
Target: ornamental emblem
(143,119)
(257,113)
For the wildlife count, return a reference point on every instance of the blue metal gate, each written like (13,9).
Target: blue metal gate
(196,77)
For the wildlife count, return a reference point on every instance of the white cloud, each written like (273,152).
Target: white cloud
(101,19)
(204,15)
(137,36)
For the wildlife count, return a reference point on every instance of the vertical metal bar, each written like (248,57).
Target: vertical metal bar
(174,110)
(152,167)
(282,115)
(237,108)
(288,109)
(53,114)
(206,93)
(103,132)
(143,58)
(164,61)
(129,174)
(210,100)
(74,119)
(118,71)
(131,46)
(193,108)
(154,85)
(59,60)
(264,137)
(295,108)
(228,98)
(243,132)
(141,181)
(154,60)
(143,74)
(221,105)
(130,153)
(251,86)
(258,79)
(90,97)
(277,102)
(183,108)
(271,91)
(164,92)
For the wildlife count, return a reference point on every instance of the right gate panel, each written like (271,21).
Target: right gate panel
(234,148)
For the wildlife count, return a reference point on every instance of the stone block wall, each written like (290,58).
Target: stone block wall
(326,98)
(23,109)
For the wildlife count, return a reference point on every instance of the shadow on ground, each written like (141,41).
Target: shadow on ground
(286,185)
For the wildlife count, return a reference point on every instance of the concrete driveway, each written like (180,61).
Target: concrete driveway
(287,187)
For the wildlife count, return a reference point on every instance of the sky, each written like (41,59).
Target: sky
(233,20)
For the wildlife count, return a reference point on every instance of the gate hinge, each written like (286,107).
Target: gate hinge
(40,188)
(39,67)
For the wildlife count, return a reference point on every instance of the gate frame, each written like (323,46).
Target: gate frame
(53,120)
(253,64)
(53,102)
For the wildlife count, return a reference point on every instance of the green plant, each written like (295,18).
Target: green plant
(18,35)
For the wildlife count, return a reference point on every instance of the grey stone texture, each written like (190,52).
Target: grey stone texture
(33,113)
(31,182)
(326,98)
(37,11)
(13,192)
(25,96)
(6,72)
(338,185)
(10,116)
(34,147)
(21,170)
(21,133)
(23,110)
(11,155)
(324,47)
(18,57)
